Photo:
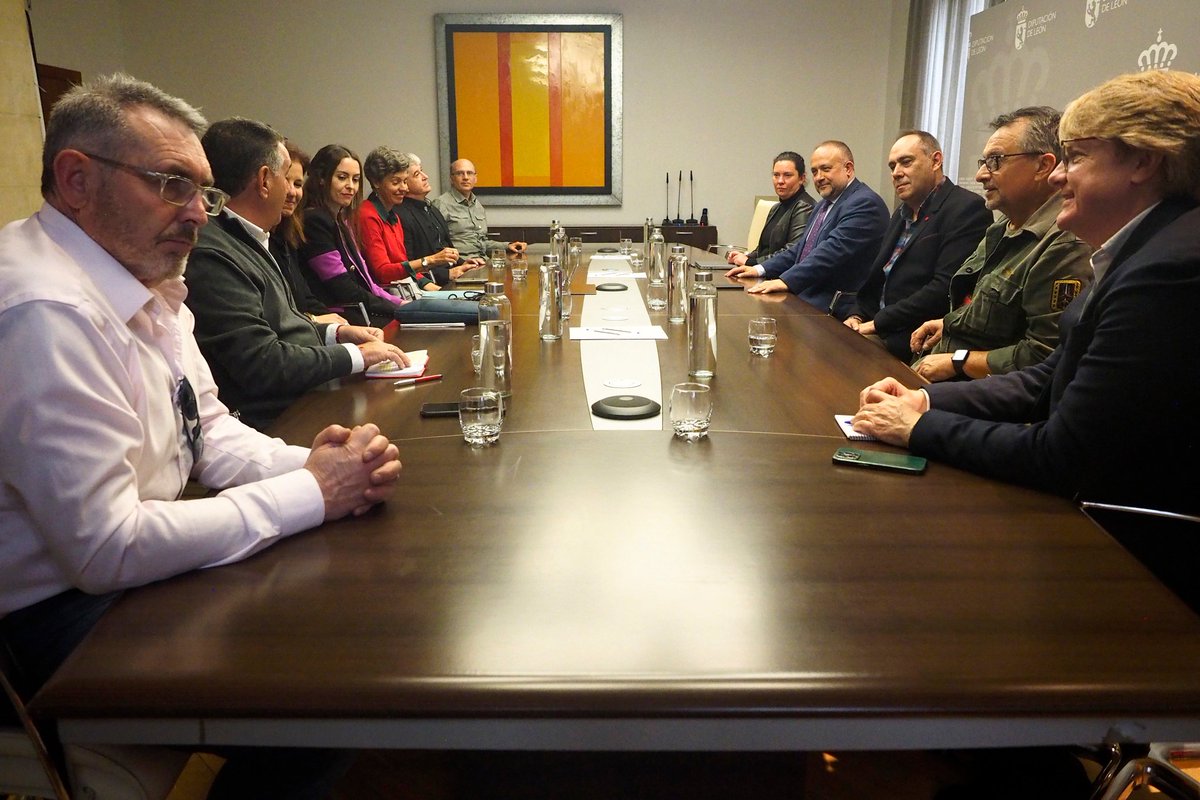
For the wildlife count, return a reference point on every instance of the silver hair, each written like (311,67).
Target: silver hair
(93,117)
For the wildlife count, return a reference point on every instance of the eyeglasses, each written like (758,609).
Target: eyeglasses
(175,189)
(185,398)
(1071,155)
(464,173)
(995,161)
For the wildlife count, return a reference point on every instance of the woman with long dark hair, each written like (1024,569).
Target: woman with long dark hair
(337,271)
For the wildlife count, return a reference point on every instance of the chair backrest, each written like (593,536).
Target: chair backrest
(762,207)
(27,765)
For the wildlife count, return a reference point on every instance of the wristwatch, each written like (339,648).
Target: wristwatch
(959,360)
(422,263)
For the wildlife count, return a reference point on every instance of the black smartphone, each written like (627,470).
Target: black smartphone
(439,409)
(876,459)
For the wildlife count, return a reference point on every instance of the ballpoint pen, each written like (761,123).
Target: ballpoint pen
(414,381)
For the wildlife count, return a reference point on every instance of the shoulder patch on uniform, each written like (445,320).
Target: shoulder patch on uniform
(1063,292)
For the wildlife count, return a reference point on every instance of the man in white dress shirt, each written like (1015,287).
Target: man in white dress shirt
(108,407)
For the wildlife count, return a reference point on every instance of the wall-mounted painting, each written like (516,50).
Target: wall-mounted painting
(534,100)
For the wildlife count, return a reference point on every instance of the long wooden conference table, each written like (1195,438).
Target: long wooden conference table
(572,588)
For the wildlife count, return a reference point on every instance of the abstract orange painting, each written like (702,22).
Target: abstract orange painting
(533,101)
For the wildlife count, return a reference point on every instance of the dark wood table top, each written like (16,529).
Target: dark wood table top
(576,589)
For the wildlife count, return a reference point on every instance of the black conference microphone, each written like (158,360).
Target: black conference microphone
(692,189)
(678,196)
(667,218)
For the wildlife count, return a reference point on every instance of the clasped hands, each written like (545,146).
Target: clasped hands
(355,468)
(888,410)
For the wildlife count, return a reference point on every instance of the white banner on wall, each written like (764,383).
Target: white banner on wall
(1048,52)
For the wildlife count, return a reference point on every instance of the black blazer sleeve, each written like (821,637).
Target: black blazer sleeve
(1119,422)
(786,231)
(288,259)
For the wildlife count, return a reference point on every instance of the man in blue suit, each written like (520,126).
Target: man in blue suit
(844,233)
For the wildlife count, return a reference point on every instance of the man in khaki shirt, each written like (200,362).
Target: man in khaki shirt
(1006,299)
(466,215)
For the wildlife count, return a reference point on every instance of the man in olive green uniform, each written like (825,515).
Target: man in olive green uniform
(1007,297)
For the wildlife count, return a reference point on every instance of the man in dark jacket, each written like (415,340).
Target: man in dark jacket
(263,351)
(933,230)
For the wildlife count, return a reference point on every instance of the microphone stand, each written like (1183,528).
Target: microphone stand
(692,189)
(667,218)
(678,195)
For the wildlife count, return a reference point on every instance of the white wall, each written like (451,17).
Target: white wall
(710,86)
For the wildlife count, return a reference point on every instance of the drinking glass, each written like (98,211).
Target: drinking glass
(498,256)
(636,261)
(656,296)
(763,335)
(691,410)
(480,413)
(626,247)
(520,266)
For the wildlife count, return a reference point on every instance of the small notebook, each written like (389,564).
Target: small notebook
(417,361)
(843,421)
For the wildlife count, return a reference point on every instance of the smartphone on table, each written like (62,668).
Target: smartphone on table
(439,409)
(877,459)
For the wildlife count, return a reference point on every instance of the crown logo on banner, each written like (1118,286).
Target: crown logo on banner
(1019,40)
(1158,55)
(1091,12)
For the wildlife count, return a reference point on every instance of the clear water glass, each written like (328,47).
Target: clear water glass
(656,296)
(520,267)
(626,247)
(498,256)
(691,410)
(480,413)
(763,335)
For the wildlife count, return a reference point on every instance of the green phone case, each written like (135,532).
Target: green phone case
(876,459)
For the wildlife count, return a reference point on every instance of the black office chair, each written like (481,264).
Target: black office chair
(839,305)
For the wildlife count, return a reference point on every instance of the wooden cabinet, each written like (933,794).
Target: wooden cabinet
(695,235)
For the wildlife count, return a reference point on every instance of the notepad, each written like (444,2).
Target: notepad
(417,361)
(843,421)
(616,332)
